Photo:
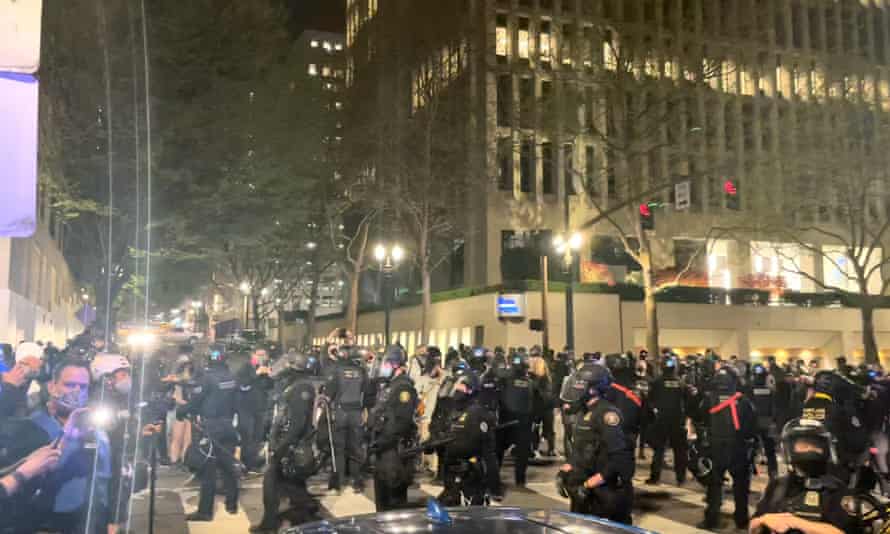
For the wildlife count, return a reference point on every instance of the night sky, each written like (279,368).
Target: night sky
(326,15)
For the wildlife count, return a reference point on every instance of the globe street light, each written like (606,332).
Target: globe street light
(388,258)
(568,247)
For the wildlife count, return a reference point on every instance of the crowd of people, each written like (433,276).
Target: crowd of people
(80,429)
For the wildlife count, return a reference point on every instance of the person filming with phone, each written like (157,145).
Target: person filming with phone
(69,491)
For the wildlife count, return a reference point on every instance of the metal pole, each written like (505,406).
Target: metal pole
(152,485)
(387,305)
(570,305)
(545,275)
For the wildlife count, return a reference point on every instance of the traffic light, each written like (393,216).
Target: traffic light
(647,217)
(732,194)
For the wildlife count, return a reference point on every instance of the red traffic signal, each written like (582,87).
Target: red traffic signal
(729,188)
(644,210)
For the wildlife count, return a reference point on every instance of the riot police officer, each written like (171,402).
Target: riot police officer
(809,498)
(624,395)
(393,428)
(763,388)
(598,475)
(346,390)
(517,392)
(668,397)
(213,402)
(470,455)
(729,420)
(481,363)
(292,459)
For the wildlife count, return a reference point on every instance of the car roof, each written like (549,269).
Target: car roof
(471,520)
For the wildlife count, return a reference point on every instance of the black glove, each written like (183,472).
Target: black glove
(561,485)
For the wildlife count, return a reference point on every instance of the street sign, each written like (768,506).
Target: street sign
(18,152)
(682,196)
(20,35)
(511,305)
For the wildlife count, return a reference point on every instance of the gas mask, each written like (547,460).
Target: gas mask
(123,386)
(70,401)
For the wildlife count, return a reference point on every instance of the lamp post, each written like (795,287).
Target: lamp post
(568,247)
(389,258)
(196,310)
(245,290)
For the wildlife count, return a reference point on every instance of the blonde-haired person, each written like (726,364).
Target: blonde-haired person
(181,431)
(542,403)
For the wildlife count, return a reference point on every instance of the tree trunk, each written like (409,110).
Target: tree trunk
(313,308)
(255,309)
(649,304)
(869,343)
(355,278)
(427,303)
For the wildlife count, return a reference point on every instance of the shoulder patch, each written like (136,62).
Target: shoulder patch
(587,416)
(462,418)
(611,418)
(483,426)
(405,397)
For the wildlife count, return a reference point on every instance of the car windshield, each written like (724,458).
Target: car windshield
(528,254)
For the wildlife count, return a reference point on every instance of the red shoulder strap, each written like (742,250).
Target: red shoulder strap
(629,394)
(732,403)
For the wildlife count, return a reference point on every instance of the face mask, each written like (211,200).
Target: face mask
(68,402)
(385,371)
(123,386)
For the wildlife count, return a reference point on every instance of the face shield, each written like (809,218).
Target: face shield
(382,369)
(574,390)
(809,448)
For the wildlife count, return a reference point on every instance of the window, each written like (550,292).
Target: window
(526,103)
(547,164)
(327,46)
(501,41)
(527,167)
(796,25)
(325,71)
(728,71)
(569,166)
(545,43)
(313,69)
(313,43)
(815,29)
(546,92)
(610,52)
(567,36)
(590,174)
(524,38)
(338,47)
(505,99)
(505,164)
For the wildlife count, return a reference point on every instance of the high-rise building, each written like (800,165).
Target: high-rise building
(684,106)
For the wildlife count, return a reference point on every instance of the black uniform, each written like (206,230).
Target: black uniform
(346,388)
(668,397)
(254,392)
(731,426)
(517,391)
(818,502)
(393,429)
(600,446)
(213,401)
(291,435)
(763,396)
(471,460)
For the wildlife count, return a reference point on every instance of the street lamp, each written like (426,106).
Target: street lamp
(569,247)
(245,290)
(389,258)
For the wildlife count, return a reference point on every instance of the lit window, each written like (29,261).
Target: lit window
(652,66)
(501,38)
(610,55)
(326,46)
(524,39)
(325,71)
(338,105)
(313,69)
(747,81)
(313,43)
(338,47)
(730,82)
(545,42)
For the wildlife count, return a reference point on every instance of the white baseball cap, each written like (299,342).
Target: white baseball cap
(28,348)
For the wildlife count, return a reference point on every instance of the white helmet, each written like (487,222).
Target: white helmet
(28,348)
(106,364)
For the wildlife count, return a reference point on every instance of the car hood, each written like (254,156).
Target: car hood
(474,520)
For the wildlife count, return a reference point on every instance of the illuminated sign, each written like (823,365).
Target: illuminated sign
(511,305)
(20,35)
(18,154)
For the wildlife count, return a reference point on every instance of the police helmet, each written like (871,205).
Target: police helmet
(809,447)
(386,364)
(536,351)
(466,384)
(581,385)
(617,362)
(216,353)
(479,358)
(519,360)
(432,359)
(725,381)
(824,382)
(670,364)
